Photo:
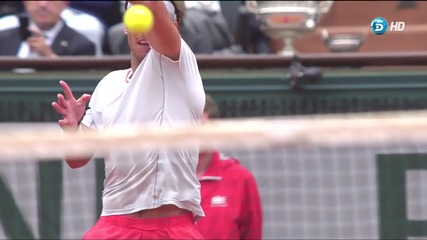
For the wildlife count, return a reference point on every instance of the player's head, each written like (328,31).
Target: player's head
(45,14)
(138,45)
(211,109)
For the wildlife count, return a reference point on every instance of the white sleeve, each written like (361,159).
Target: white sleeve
(91,119)
(190,70)
(187,60)
(88,120)
(187,65)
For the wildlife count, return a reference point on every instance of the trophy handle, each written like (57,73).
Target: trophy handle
(252,6)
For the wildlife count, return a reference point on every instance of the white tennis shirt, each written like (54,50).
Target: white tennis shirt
(164,93)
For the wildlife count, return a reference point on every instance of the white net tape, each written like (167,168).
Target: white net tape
(47,141)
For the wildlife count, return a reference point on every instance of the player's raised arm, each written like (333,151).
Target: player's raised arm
(72,110)
(164,36)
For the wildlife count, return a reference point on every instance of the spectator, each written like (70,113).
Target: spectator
(253,40)
(107,13)
(230,197)
(116,42)
(206,30)
(87,25)
(50,35)
(10,7)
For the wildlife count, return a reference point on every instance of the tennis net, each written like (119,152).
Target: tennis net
(353,176)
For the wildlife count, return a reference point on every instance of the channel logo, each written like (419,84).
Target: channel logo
(379,26)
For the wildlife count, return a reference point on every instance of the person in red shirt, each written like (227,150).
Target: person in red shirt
(229,194)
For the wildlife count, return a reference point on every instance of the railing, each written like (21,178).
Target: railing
(229,61)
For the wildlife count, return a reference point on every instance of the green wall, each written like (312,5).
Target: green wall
(28,97)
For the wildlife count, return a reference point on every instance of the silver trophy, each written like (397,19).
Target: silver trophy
(288,20)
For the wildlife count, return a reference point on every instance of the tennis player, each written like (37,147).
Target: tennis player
(158,195)
(230,195)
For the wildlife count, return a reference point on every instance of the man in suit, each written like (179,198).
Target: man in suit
(49,35)
(206,30)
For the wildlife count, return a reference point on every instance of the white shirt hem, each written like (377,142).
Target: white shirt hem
(196,212)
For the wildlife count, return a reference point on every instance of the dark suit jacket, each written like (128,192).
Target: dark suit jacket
(68,42)
(116,40)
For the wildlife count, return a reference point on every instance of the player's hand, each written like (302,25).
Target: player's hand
(37,43)
(72,110)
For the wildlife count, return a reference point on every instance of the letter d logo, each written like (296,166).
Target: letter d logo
(379,26)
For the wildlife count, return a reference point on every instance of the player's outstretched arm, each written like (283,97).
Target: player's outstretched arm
(72,110)
(164,36)
(78,163)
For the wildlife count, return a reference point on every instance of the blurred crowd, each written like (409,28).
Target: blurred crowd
(77,28)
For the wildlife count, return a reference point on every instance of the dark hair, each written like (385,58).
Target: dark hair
(126,5)
(211,108)
(178,11)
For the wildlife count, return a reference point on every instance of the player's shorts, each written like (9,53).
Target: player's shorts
(121,227)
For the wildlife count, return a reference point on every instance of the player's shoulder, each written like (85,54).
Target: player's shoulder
(114,75)
(111,78)
(186,51)
(185,54)
(185,46)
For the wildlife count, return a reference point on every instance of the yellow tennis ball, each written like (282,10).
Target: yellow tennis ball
(138,19)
